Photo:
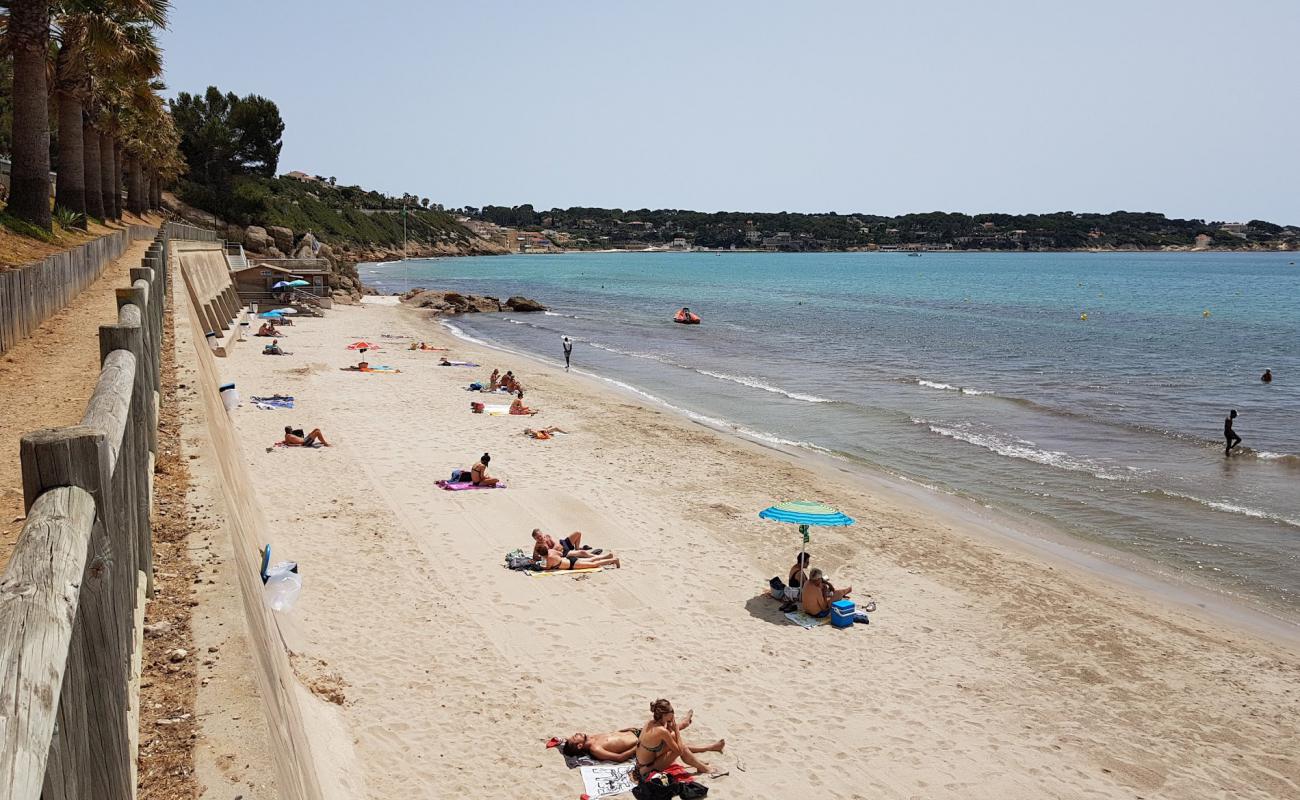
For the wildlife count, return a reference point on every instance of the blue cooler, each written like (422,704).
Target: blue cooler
(842,612)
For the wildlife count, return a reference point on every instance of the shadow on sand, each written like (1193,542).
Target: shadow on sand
(763,607)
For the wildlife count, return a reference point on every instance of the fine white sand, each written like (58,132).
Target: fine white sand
(987,672)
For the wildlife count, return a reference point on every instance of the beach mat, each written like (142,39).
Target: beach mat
(533,573)
(607,780)
(459,364)
(464,486)
(804,620)
(372,370)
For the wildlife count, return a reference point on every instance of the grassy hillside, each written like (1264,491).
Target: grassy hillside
(334,213)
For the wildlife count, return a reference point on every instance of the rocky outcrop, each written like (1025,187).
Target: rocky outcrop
(451,302)
(283,238)
(519,303)
(256,239)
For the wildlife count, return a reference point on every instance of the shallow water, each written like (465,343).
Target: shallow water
(969,372)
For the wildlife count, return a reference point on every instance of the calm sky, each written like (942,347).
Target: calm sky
(1188,107)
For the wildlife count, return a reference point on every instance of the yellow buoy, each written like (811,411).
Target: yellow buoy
(1084,316)
(1205,313)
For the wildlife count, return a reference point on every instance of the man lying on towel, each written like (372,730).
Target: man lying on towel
(569,553)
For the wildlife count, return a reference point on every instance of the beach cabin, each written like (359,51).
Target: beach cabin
(254,282)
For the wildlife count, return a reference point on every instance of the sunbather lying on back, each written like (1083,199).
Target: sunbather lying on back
(544,433)
(294,437)
(620,745)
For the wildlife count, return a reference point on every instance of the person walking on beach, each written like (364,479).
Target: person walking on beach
(568,351)
(1229,434)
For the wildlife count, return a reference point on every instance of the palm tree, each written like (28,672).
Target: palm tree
(28,35)
(124,71)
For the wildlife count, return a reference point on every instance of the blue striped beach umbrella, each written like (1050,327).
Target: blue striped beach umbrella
(805,513)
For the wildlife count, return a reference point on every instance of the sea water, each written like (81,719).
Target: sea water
(972,373)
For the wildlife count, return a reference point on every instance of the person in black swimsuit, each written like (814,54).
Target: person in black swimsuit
(1267,377)
(1229,434)
(568,351)
(660,743)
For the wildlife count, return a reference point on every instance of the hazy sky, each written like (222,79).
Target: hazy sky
(1187,107)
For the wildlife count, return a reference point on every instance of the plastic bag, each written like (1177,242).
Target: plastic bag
(282,586)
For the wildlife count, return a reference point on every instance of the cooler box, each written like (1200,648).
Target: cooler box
(842,612)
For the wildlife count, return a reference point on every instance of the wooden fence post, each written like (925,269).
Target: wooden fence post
(79,456)
(42,667)
(139,436)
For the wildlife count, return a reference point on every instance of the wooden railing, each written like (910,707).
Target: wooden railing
(32,294)
(69,593)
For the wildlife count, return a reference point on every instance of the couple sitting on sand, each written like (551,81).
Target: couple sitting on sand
(268,329)
(656,745)
(812,589)
(569,553)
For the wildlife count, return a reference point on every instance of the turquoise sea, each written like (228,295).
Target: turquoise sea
(972,373)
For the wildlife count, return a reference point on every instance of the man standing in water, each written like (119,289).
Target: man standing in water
(1229,434)
(568,351)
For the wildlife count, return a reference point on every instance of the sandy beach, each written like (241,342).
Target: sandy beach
(988,671)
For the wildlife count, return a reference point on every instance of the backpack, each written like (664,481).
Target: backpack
(518,559)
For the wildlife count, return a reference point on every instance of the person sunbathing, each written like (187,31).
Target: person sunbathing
(620,745)
(268,329)
(578,559)
(660,743)
(543,542)
(478,473)
(544,433)
(799,572)
(494,381)
(518,408)
(443,362)
(273,349)
(509,383)
(294,437)
(818,594)
(361,366)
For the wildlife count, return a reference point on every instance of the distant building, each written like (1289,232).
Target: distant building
(680,243)
(302,176)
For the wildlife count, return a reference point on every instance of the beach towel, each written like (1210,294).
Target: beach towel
(543,573)
(388,370)
(497,411)
(607,780)
(271,403)
(270,397)
(464,486)
(451,363)
(804,620)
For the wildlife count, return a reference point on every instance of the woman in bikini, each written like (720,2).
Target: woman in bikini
(518,408)
(478,473)
(579,559)
(660,743)
(544,433)
(621,745)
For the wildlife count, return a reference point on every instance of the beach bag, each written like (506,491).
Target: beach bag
(657,786)
(477,408)
(693,790)
(476,387)
(517,559)
(778,588)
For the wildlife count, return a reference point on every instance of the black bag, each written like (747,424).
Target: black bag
(692,790)
(660,787)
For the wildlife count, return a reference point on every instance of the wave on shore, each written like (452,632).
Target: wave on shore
(1019,448)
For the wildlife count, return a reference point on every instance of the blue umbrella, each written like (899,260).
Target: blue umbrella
(271,315)
(299,282)
(804,513)
(281,285)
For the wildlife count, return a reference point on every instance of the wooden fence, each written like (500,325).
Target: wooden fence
(69,594)
(32,294)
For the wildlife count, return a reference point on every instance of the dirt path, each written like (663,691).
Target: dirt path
(46,380)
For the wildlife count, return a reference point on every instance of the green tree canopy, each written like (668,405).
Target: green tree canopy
(223,135)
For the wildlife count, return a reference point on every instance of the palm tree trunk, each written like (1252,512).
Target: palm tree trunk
(29,38)
(117,179)
(106,182)
(71,191)
(90,159)
(134,201)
